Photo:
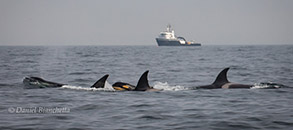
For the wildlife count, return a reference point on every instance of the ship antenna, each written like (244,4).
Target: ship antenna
(168,28)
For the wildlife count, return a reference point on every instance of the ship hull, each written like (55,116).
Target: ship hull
(167,42)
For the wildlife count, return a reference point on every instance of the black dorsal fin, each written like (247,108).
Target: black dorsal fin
(222,77)
(143,83)
(101,82)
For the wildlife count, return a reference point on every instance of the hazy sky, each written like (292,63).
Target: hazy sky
(138,22)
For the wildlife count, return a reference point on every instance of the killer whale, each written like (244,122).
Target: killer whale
(142,84)
(37,82)
(222,82)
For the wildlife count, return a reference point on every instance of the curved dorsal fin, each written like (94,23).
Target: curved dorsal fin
(143,83)
(101,82)
(222,77)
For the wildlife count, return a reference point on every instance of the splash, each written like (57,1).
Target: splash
(267,85)
(166,86)
(107,87)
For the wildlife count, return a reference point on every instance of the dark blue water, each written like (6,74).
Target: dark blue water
(174,69)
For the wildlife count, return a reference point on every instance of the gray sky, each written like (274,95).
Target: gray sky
(138,22)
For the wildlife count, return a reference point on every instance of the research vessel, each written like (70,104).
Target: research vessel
(168,38)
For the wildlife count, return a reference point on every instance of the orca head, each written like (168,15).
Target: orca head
(101,82)
(121,86)
(31,82)
(37,82)
(34,79)
(221,78)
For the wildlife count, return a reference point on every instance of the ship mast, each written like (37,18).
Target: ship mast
(171,31)
(168,28)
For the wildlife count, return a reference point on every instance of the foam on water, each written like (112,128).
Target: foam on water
(166,86)
(107,87)
(266,85)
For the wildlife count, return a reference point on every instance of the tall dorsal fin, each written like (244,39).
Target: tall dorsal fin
(222,77)
(143,83)
(101,82)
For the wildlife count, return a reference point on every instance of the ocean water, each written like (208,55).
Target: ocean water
(176,70)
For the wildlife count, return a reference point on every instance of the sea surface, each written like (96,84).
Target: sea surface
(176,70)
